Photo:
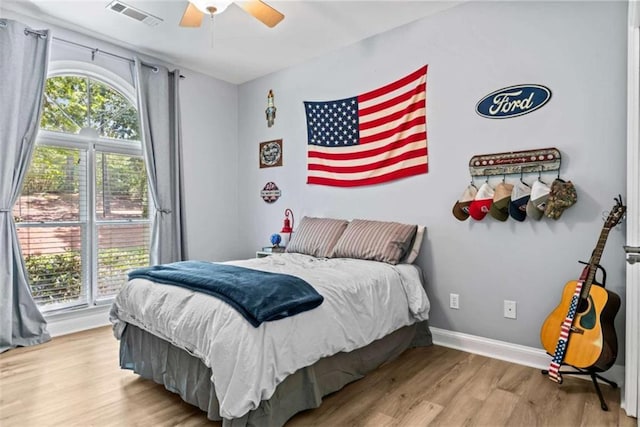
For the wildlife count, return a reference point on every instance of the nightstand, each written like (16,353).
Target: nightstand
(269,250)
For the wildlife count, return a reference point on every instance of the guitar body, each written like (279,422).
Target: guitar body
(592,342)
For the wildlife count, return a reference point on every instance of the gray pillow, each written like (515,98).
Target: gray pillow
(375,240)
(316,236)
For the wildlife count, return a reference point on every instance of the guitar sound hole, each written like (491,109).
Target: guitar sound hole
(583,305)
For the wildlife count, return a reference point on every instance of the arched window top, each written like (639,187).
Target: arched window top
(80,103)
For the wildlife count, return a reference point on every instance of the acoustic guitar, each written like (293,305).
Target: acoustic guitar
(585,332)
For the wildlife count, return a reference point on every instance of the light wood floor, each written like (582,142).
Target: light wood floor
(75,381)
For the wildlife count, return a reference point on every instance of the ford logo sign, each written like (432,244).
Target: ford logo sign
(513,101)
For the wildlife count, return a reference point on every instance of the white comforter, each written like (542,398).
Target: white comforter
(363,301)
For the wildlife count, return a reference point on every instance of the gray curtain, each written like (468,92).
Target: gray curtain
(24,57)
(159,109)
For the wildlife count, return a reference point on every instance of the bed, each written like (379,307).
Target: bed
(201,348)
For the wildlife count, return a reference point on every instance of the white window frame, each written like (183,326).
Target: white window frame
(91,145)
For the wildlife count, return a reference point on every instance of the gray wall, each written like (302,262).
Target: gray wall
(577,49)
(210,144)
(209,117)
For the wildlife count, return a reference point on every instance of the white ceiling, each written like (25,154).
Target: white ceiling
(243,48)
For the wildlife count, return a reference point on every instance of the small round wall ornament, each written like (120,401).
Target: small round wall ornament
(270,193)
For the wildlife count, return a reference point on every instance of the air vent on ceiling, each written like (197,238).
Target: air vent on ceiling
(133,12)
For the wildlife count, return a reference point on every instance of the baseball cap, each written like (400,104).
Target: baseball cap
(538,200)
(480,206)
(561,196)
(519,197)
(461,208)
(501,198)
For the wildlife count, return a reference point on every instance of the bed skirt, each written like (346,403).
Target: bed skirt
(180,372)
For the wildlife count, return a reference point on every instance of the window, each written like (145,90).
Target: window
(83,214)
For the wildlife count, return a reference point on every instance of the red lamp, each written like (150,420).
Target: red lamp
(287,227)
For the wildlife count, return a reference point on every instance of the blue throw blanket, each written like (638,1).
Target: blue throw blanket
(259,296)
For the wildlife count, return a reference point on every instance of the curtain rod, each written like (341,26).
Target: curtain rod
(41,34)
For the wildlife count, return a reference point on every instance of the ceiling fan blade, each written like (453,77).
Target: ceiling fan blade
(192,16)
(262,12)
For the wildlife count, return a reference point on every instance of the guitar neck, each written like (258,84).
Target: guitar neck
(594,261)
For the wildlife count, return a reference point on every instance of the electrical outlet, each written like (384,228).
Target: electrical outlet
(454,301)
(509,309)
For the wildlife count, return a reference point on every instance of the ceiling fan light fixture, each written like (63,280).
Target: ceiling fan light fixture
(218,6)
(197,9)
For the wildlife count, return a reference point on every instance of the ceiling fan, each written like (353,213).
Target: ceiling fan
(196,9)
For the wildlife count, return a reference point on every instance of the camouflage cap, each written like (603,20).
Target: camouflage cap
(562,195)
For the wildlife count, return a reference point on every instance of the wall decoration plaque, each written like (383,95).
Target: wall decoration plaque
(270,192)
(270,112)
(527,161)
(513,101)
(270,153)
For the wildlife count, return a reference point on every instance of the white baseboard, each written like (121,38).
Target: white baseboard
(514,353)
(78,320)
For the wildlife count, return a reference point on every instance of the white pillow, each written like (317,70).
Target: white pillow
(414,251)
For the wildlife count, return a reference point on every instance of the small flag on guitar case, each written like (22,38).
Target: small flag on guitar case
(563,339)
(371,138)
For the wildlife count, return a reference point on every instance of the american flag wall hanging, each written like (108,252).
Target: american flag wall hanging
(371,138)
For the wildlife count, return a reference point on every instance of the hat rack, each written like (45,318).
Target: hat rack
(527,161)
